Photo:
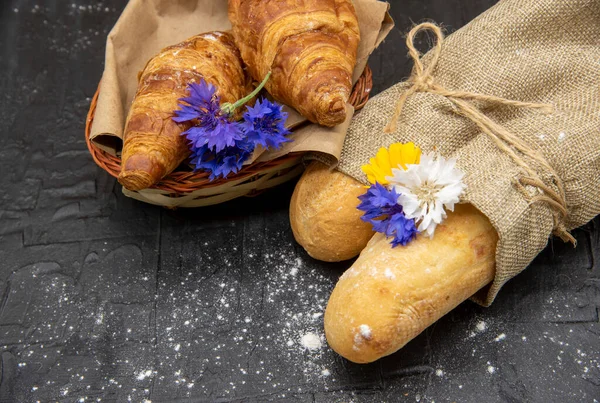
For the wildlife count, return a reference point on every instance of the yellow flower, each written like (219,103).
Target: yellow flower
(398,155)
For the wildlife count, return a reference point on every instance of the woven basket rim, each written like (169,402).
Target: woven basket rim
(182,182)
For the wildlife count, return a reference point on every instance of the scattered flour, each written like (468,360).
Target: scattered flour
(357,342)
(500,337)
(439,372)
(311,341)
(480,327)
(144,374)
(365,331)
(388,274)
(292,291)
(491,369)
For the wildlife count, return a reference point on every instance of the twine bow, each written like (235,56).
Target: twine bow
(422,80)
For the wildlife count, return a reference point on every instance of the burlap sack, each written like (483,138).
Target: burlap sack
(539,51)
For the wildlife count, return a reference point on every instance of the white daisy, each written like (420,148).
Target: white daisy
(427,189)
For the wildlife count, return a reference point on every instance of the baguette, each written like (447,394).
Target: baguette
(390,295)
(324,217)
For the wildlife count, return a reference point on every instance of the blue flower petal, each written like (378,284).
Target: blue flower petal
(264,124)
(402,228)
(201,92)
(219,145)
(382,210)
(221,164)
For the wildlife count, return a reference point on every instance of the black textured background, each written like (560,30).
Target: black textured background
(103,298)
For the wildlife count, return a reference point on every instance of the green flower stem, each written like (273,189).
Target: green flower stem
(229,108)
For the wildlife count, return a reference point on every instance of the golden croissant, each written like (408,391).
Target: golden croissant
(309,46)
(153,145)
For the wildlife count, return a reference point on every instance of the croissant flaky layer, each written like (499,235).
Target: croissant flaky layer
(153,145)
(309,46)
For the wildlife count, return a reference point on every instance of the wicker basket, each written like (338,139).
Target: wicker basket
(185,188)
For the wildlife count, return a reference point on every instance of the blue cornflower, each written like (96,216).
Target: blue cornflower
(382,210)
(219,144)
(220,134)
(220,164)
(201,103)
(264,124)
(401,228)
(212,127)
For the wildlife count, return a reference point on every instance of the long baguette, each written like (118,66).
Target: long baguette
(390,295)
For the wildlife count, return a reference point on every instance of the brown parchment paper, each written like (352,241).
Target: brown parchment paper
(147,26)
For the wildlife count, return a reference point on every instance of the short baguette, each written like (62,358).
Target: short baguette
(324,217)
(390,295)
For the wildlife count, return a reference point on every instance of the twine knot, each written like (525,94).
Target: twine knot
(423,83)
(422,80)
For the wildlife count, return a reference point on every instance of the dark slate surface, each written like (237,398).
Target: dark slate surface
(107,299)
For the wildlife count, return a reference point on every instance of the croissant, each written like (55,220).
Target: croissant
(309,46)
(153,145)
(389,295)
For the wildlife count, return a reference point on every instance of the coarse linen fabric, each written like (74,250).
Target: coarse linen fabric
(541,51)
